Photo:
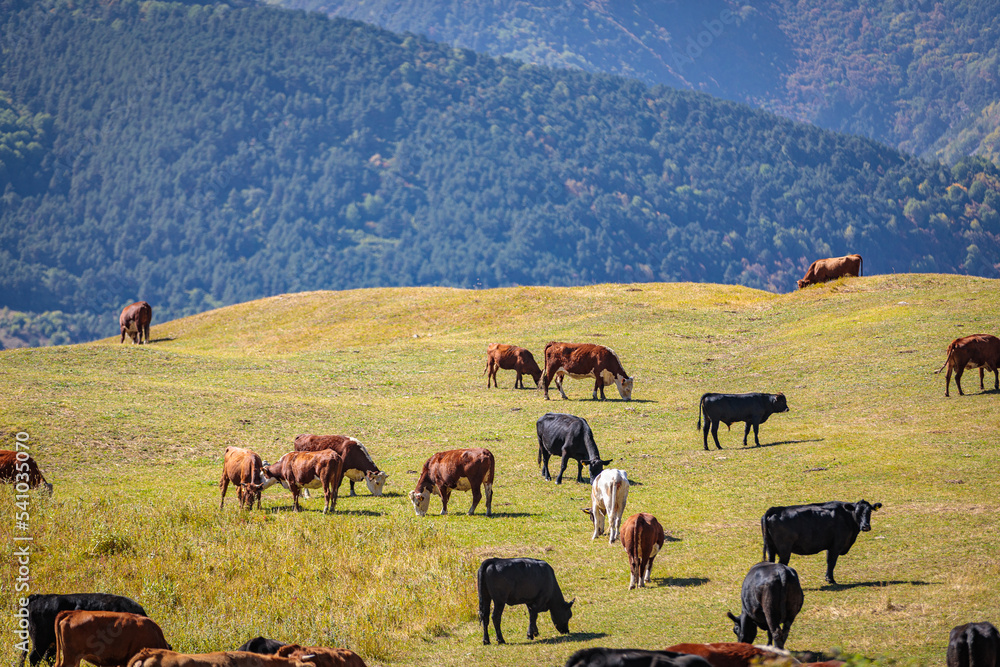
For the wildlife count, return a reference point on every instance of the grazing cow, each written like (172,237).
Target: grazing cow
(974,645)
(298,470)
(244,468)
(633,657)
(262,645)
(459,469)
(135,320)
(568,437)
(43,609)
(608,494)
(358,463)
(103,638)
(735,654)
(322,656)
(771,597)
(980,351)
(808,529)
(527,581)
(511,358)
(160,658)
(20,468)
(753,408)
(832,268)
(642,538)
(584,361)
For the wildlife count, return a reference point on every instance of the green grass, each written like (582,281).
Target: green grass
(133,438)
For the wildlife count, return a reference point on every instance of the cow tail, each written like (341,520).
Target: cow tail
(767,542)
(947,360)
(701,407)
(484,609)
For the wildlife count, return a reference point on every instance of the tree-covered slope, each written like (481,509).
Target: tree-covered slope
(917,75)
(201,155)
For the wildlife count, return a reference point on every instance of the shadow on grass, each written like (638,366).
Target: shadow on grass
(572,637)
(512,515)
(162,340)
(869,584)
(685,582)
(671,538)
(787,442)
(319,510)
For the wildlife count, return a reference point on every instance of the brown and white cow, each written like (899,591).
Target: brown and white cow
(585,360)
(642,538)
(608,495)
(736,654)
(244,468)
(358,463)
(160,658)
(135,320)
(321,656)
(831,268)
(20,468)
(298,470)
(103,638)
(511,358)
(980,351)
(456,469)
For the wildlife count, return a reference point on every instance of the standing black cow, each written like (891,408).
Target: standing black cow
(262,645)
(771,597)
(569,437)
(974,645)
(753,408)
(527,581)
(42,611)
(808,529)
(633,657)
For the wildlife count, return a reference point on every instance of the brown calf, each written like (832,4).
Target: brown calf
(460,469)
(322,656)
(831,268)
(642,538)
(583,361)
(298,470)
(159,658)
(734,654)
(135,320)
(242,467)
(358,463)
(980,351)
(511,358)
(20,468)
(103,638)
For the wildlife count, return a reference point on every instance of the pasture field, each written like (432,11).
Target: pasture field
(132,437)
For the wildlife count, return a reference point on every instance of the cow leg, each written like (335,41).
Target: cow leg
(545,464)
(518,381)
(598,524)
(488,489)
(445,494)
(294,488)
(223,485)
(497,615)
(958,381)
(484,615)
(559,382)
(947,381)
(145,330)
(996,379)
(579,471)
(756,428)
(715,435)
(708,426)
(598,386)
(477,495)
(981,387)
(562,468)
(545,384)
(831,562)
(532,623)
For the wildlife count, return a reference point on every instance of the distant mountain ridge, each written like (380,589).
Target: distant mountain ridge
(918,75)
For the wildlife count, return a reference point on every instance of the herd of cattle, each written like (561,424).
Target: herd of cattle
(109,630)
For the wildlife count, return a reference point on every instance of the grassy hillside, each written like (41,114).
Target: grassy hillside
(132,437)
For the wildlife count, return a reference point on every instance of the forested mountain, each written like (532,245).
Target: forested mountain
(923,76)
(194,156)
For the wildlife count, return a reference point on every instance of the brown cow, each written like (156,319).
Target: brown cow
(583,361)
(831,268)
(20,468)
(244,468)
(298,470)
(980,351)
(159,658)
(461,469)
(511,358)
(322,656)
(735,654)
(103,638)
(358,463)
(135,320)
(642,538)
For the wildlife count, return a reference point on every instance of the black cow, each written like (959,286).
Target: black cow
(753,408)
(771,597)
(262,645)
(42,611)
(974,645)
(808,529)
(527,581)
(633,657)
(569,437)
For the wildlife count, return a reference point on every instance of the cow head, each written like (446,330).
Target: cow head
(779,403)
(268,478)
(421,501)
(376,481)
(863,514)
(743,627)
(48,488)
(561,613)
(624,385)
(803,283)
(595,466)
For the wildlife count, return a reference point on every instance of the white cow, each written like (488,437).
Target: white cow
(608,494)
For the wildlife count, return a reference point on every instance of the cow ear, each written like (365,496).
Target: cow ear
(876,506)
(606,462)
(731,617)
(587,510)
(571,602)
